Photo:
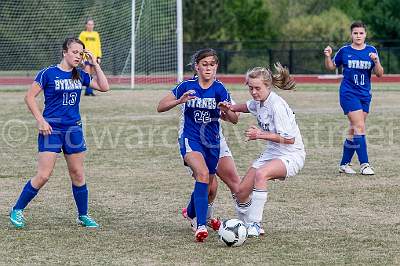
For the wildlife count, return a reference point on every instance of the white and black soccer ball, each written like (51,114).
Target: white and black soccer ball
(232,232)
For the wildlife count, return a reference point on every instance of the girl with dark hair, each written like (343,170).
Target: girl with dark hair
(60,126)
(199,136)
(358,60)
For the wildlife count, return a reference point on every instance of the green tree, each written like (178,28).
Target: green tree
(330,25)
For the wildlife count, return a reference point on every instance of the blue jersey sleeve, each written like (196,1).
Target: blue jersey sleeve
(85,78)
(179,90)
(338,58)
(42,78)
(223,95)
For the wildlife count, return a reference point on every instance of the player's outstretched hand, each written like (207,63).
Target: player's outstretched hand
(328,51)
(252,133)
(44,128)
(189,95)
(224,106)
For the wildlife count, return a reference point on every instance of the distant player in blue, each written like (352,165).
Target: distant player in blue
(60,127)
(199,138)
(358,61)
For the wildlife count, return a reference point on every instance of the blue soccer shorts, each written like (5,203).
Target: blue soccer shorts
(69,140)
(350,102)
(210,154)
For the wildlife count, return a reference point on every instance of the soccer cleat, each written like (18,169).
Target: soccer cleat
(346,169)
(87,221)
(261,230)
(17,218)
(366,169)
(192,221)
(253,230)
(214,223)
(201,233)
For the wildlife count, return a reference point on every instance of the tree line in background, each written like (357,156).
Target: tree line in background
(244,32)
(244,20)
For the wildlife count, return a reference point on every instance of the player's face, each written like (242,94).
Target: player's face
(207,68)
(258,90)
(73,56)
(90,25)
(358,35)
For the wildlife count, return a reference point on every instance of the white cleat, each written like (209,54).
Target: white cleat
(253,230)
(346,169)
(366,169)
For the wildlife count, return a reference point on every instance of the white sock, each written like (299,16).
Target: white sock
(242,210)
(257,206)
(210,210)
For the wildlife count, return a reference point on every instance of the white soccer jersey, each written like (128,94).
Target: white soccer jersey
(275,116)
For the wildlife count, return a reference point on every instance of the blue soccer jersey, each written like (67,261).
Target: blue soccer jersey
(357,69)
(62,95)
(201,115)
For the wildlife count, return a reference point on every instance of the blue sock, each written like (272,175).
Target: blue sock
(361,148)
(348,151)
(27,194)
(88,90)
(81,195)
(191,211)
(201,202)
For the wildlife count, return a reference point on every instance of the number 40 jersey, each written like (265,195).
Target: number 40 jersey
(357,68)
(201,115)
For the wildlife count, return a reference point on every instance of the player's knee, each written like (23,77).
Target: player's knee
(359,128)
(260,177)
(77,175)
(42,177)
(202,176)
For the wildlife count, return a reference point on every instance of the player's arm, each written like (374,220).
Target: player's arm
(254,133)
(239,108)
(328,58)
(378,69)
(99,82)
(227,114)
(169,101)
(30,100)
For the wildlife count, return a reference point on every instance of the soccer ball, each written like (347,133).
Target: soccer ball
(232,232)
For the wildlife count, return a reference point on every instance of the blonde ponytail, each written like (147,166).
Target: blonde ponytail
(281,80)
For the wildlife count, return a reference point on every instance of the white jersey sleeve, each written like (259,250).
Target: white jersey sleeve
(252,106)
(284,121)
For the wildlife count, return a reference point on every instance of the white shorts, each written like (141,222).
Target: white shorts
(224,150)
(293,162)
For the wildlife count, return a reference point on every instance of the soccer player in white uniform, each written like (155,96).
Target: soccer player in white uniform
(284,154)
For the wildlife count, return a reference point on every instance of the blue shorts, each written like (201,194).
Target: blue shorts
(69,141)
(211,155)
(350,102)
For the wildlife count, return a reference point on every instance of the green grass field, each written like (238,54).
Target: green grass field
(138,186)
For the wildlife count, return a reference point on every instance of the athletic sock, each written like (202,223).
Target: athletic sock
(257,207)
(242,210)
(191,211)
(348,151)
(81,195)
(210,210)
(27,194)
(201,202)
(361,148)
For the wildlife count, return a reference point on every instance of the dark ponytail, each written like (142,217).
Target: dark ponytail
(68,41)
